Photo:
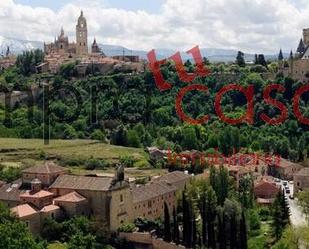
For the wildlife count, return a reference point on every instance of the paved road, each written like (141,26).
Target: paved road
(297,218)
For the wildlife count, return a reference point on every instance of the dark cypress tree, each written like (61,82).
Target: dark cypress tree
(278,224)
(184,218)
(175,227)
(233,232)
(221,237)
(204,220)
(256,60)
(223,181)
(243,240)
(211,217)
(194,232)
(190,224)
(240,59)
(167,224)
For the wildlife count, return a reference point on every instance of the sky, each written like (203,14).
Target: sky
(255,26)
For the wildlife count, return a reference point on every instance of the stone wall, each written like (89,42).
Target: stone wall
(148,241)
(154,208)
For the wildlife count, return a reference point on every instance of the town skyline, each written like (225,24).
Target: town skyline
(263,26)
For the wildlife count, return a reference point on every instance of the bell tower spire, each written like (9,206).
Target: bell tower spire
(81,35)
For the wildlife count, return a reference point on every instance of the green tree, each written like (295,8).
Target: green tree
(14,233)
(303,201)
(167,224)
(240,59)
(81,241)
(243,242)
(175,227)
(133,139)
(280,215)
(97,135)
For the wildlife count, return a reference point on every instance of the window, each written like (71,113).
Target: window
(121,198)
(149,204)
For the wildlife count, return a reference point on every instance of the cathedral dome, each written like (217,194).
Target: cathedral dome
(82,22)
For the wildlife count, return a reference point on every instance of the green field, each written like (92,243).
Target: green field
(16,150)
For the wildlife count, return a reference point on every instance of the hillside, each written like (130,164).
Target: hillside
(18,149)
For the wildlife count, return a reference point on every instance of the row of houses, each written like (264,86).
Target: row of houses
(49,190)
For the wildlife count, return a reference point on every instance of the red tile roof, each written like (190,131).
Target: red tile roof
(49,208)
(46,168)
(23,210)
(40,194)
(71,197)
(152,190)
(82,183)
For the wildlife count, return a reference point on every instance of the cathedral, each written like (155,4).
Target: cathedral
(297,65)
(62,46)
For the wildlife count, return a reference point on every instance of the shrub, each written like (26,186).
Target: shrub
(97,135)
(254,220)
(127,228)
(93,163)
(127,161)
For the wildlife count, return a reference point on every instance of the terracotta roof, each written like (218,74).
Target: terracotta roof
(71,197)
(23,210)
(40,194)
(49,208)
(152,190)
(46,168)
(303,172)
(266,186)
(173,177)
(82,182)
(11,191)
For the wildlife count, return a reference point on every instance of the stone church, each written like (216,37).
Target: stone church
(62,46)
(297,65)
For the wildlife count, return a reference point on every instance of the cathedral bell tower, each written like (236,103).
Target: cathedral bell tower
(81,36)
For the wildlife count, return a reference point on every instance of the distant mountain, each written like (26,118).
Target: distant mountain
(213,54)
(18,46)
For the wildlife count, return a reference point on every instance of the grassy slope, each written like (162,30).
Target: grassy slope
(17,149)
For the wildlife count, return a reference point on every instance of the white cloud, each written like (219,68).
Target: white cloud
(249,25)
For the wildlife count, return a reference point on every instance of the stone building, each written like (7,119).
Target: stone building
(297,65)
(109,199)
(301,180)
(95,47)
(49,191)
(265,191)
(149,199)
(30,216)
(176,178)
(81,36)
(62,46)
(73,204)
(46,173)
(285,169)
(38,199)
